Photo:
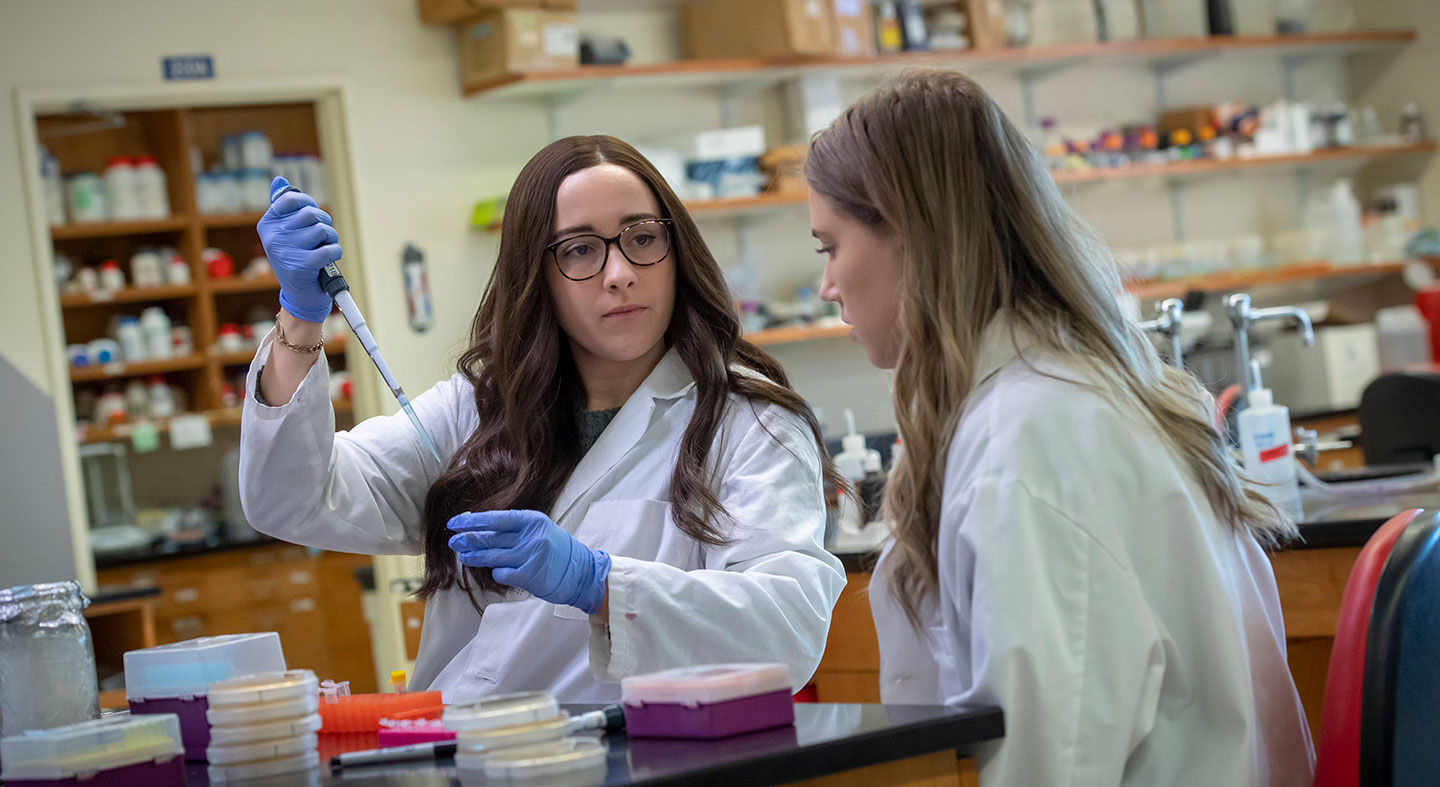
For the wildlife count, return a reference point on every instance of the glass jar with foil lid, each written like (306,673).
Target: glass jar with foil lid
(47,658)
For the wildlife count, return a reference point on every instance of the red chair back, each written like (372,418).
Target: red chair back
(1338,753)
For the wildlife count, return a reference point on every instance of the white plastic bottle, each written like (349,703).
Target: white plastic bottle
(156,324)
(850,462)
(1268,455)
(162,400)
(120,191)
(150,190)
(132,339)
(1349,246)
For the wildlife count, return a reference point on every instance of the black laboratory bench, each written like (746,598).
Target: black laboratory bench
(855,744)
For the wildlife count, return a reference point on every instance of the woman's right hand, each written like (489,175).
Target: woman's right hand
(299,240)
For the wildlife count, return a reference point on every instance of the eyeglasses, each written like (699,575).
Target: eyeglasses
(582,257)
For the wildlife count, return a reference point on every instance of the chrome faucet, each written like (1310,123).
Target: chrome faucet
(1168,324)
(1242,316)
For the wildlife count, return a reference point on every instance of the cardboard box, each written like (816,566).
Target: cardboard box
(854,28)
(444,12)
(986,20)
(713,29)
(514,41)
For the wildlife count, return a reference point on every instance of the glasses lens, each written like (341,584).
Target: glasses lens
(580,257)
(647,243)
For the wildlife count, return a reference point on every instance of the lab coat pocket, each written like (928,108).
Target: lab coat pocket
(630,528)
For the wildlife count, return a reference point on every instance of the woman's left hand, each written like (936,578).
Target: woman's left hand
(527,550)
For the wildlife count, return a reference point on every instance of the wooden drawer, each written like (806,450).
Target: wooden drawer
(852,645)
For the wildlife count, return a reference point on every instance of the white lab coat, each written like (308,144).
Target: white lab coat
(1088,589)
(766,597)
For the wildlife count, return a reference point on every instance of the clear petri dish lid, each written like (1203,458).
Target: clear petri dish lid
(526,733)
(266,731)
(545,759)
(263,712)
(241,753)
(501,710)
(261,769)
(263,687)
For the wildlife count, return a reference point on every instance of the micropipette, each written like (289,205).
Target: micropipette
(337,288)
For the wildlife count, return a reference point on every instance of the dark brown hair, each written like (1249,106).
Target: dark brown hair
(528,390)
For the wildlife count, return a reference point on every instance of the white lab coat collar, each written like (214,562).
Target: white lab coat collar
(670,379)
(1002,341)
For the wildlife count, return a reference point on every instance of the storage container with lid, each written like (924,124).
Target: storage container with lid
(708,701)
(176,678)
(115,751)
(501,711)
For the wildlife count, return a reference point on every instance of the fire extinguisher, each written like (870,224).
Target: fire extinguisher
(417,289)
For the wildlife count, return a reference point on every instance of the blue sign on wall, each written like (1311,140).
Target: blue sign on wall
(190,67)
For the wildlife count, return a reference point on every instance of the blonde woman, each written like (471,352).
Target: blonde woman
(1072,541)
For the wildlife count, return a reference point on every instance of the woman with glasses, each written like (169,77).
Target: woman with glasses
(627,485)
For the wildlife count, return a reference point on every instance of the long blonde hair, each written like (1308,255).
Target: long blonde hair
(983,226)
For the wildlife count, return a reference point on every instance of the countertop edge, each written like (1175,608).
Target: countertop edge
(959,733)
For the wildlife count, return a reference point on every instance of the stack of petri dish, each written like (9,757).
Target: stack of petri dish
(504,721)
(263,725)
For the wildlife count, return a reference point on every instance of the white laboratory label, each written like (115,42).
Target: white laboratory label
(190,431)
(561,40)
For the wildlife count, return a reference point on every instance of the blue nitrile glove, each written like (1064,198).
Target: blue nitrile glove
(530,552)
(299,240)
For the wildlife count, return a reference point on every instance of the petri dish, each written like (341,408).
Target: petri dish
(261,750)
(262,769)
(267,731)
(263,687)
(263,712)
(500,711)
(542,760)
(524,734)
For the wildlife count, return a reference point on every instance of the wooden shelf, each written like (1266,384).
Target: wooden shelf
(1172,288)
(1237,280)
(762,202)
(165,292)
(1177,169)
(244,284)
(108,229)
(225,416)
(711,72)
(798,333)
(118,371)
(221,220)
(715,208)
(244,357)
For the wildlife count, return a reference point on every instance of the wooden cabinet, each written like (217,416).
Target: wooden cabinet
(850,669)
(1311,584)
(312,601)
